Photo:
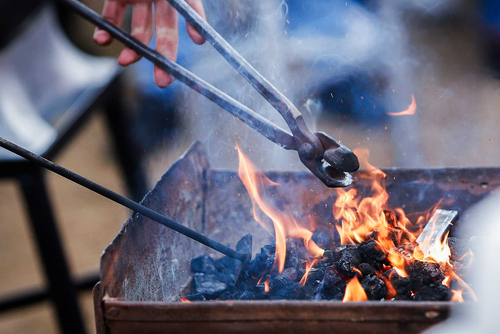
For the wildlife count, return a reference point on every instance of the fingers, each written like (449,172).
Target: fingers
(112,11)
(167,37)
(142,29)
(198,7)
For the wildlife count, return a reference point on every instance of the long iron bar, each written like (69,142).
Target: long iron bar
(115,197)
(243,113)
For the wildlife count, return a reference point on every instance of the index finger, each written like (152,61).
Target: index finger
(198,7)
(113,11)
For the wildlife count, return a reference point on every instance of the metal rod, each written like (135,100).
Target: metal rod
(115,197)
(243,113)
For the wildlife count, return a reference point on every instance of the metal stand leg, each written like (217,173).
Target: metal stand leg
(61,288)
(126,149)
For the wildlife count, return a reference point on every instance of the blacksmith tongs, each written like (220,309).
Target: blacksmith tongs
(329,160)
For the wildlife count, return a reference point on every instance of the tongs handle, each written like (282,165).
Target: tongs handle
(243,113)
(258,81)
(326,158)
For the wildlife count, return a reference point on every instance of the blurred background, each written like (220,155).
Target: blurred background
(345,64)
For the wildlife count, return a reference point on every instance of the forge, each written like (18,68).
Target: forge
(147,269)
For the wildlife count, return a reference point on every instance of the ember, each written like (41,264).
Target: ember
(370,252)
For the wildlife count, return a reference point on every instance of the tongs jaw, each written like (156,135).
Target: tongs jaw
(338,161)
(326,158)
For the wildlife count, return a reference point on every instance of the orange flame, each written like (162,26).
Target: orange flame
(457,296)
(266,285)
(363,218)
(360,218)
(438,252)
(464,286)
(284,224)
(306,274)
(412,108)
(391,291)
(446,281)
(354,292)
(185,300)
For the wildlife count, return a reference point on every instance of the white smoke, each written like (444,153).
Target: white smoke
(357,39)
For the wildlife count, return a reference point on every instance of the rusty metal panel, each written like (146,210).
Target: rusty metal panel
(274,317)
(143,270)
(142,262)
(100,324)
(229,209)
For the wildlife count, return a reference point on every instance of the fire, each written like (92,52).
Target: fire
(359,217)
(457,296)
(446,281)
(464,286)
(354,292)
(412,108)
(284,224)
(306,274)
(266,285)
(438,252)
(364,218)
(184,300)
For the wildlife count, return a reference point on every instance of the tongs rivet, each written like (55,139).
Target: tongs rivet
(306,151)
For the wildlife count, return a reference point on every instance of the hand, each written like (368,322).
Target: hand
(166,28)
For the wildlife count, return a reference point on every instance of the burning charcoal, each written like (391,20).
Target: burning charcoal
(282,287)
(349,258)
(458,248)
(433,292)
(329,257)
(371,253)
(307,292)
(203,264)
(195,297)
(263,260)
(366,269)
(252,293)
(229,280)
(290,273)
(374,287)
(391,274)
(332,278)
(315,276)
(269,250)
(296,254)
(322,237)
(228,294)
(402,286)
(331,292)
(246,285)
(226,266)
(208,285)
(424,273)
(249,295)
(244,246)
